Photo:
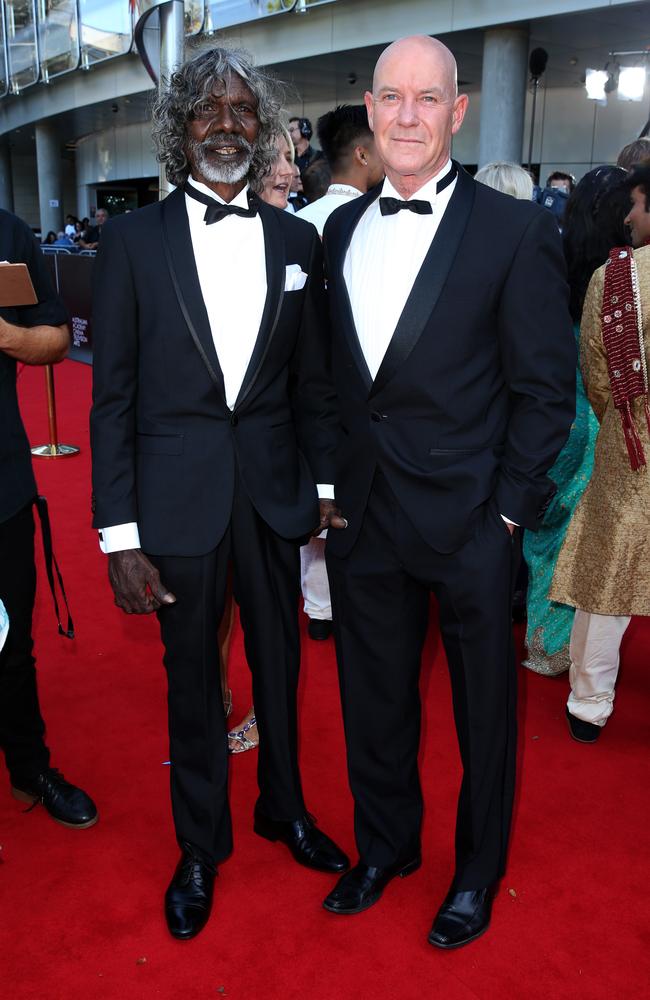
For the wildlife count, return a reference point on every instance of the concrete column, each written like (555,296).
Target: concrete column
(6,180)
(50,178)
(503,95)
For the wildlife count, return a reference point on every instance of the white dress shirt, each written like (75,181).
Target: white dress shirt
(229,255)
(320,210)
(383,259)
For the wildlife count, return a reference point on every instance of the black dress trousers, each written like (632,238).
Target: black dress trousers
(22,729)
(266,584)
(380,597)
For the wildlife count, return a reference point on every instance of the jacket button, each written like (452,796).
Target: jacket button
(234,420)
(376,416)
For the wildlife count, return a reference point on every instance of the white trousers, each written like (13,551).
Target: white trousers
(313,580)
(594,650)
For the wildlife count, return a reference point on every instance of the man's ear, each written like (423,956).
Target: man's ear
(460,107)
(361,155)
(370,108)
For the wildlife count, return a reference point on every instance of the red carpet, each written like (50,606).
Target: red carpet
(81,911)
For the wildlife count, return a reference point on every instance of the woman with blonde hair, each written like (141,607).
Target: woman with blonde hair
(509,178)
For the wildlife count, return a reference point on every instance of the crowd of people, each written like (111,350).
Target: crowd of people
(78,234)
(372,435)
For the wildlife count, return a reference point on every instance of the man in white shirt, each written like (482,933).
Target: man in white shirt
(349,148)
(213,424)
(454,366)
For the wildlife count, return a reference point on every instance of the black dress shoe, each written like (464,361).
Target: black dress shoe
(363,885)
(462,918)
(583,732)
(188,899)
(309,845)
(65,803)
(319,628)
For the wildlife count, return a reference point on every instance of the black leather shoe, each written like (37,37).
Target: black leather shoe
(309,845)
(319,628)
(188,900)
(583,732)
(65,803)
(361,887)
(462,918)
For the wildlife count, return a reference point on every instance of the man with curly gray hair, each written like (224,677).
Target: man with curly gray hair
(213,421)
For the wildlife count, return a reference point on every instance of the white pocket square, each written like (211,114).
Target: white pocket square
(294,278)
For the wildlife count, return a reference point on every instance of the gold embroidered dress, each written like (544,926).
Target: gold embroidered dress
(604,564)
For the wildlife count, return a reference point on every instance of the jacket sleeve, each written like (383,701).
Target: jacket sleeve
(115,366)
(538,358)
(314,399)
(593,360)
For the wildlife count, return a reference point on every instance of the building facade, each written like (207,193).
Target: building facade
(75,98)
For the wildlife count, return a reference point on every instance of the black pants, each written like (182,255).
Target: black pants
(266,584)
(380,598)
(22,729)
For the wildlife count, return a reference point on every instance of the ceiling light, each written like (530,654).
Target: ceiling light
(631,83)
(595,82)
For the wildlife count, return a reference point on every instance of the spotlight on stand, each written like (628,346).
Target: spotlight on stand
(536,65)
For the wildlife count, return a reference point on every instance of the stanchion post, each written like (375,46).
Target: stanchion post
(53,449)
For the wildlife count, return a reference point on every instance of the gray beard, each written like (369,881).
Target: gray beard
(219,173)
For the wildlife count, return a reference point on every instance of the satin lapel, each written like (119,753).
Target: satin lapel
(177,247)
(430,280)
(274,250)
(338,254)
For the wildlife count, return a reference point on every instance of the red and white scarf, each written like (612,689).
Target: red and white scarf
(622,326)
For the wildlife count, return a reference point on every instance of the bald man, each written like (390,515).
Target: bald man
(454,363)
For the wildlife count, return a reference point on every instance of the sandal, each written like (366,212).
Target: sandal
(241,739)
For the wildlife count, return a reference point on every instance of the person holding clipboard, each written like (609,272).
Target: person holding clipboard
(33,331)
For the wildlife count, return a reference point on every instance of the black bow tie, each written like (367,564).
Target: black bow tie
(215,211)
(391,206)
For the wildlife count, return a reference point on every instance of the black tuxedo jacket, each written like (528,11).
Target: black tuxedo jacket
(476,393)
(165,443)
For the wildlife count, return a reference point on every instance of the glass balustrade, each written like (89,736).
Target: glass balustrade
(22,44)
(42,39)
(4,72)
(106,30)
(58,36)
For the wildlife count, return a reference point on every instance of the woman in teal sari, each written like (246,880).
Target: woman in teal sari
(593,225)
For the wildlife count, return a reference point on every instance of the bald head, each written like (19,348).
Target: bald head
(414,110)
(423,51)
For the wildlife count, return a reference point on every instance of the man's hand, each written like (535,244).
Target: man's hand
(136,583)
(330,517)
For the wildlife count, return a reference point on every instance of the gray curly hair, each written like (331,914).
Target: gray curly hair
(192,84)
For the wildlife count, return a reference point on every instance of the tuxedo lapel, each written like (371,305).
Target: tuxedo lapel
(274,251)
(430,280)
(337,255)
(177,247)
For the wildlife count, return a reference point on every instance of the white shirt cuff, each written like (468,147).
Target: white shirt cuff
(508,521)
(325,491)
(119,537)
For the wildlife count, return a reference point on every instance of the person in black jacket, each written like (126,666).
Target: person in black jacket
(454,364)
(32,335)
(213,424)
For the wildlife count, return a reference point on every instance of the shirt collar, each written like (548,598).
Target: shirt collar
(344,189)
(426,193)
(241,199)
